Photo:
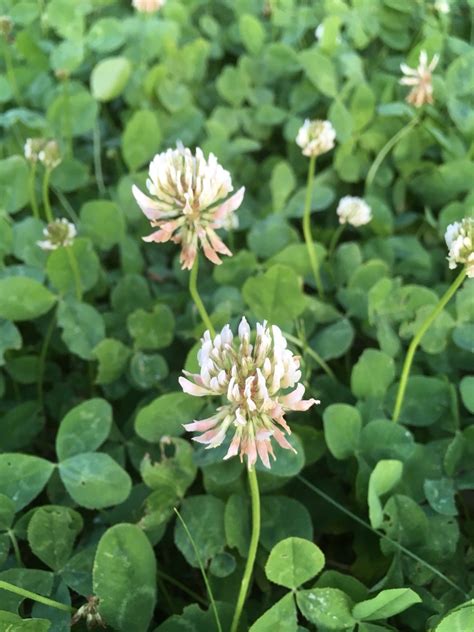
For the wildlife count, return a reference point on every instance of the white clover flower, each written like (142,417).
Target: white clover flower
(316,137)
(459,238)
(32,148)
(354,211)
(50,155)
(148,6)
(190,202)
(420,79)
(59,233)
(253,380)
(442,6)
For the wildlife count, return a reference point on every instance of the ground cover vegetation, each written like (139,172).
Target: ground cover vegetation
(236,315)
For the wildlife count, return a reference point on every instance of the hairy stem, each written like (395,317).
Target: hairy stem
(417,339)
(197,299)
(308,237)
(255,536)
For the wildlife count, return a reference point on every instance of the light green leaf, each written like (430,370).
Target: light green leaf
(372,374)
(83,327)
(103,222)
(112,356)
(84,428)
(22,477)
(61,273)
(94,480)
(14,174)
(294,561)
(328,608)
(386,474)
(281,617)
(342,425)
(109,78)
(460,619)
(23,298)
(166,415)
(466,387)
(140,139)
(52,531)
(386,604)
(153,330)
(124,578)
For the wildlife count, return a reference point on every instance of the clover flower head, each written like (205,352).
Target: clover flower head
(59,233)
(50,154)
(316,137)
(148,6)
(32,148)
(354,211)
(420,79)
(190,202)
(459,238)
(255,381)
(6,25)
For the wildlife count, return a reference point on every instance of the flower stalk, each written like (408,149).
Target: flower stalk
(254,539)
(32,191)
(443,301)
(197,298)
(46,203)
(308,237)
(28,594)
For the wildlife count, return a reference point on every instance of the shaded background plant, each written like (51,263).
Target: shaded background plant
(93,456)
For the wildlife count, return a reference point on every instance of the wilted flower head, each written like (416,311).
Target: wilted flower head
(316,137)
(354,211)
(58,234)
(190,202)
(148,6)
(89,612)
(459,238)
(421,80)
(253,379)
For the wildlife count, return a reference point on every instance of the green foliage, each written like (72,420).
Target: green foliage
(94,457)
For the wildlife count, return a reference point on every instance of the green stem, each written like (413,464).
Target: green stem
(75,271)
(386,149)
(335,239)
(417,339)
(197,299)
(27,594)
(11,73)
(99,176)
(46,203)
(203,572)
(311,352)
(16,548)
(32,191)
(42,360)
(244,586)
(313,257)
(67,116)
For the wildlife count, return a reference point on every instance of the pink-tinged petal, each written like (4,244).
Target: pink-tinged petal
(187,257)
(229,206)
(251,452)
(217,243)
(262,449)
(202,425)
(288,401)
(209,252)
(281,440)
(234,447)
(193,389)
(150,208)
(209,437)
(305,404)
(159,237)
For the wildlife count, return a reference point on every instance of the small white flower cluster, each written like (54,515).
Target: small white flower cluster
(420,79)
(250,377)
(316,137)
(148,6)
(353,210)
(190,202)
(58,234)
(44,151)
(459,238)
